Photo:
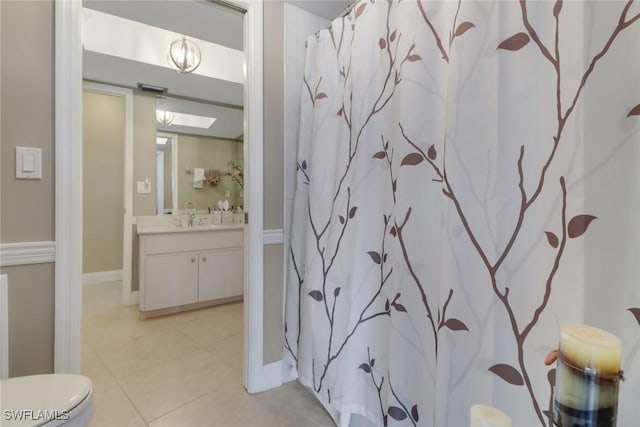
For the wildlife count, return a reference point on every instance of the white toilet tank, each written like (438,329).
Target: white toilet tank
(46,400)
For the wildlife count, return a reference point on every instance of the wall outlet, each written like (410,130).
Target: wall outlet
(227,193)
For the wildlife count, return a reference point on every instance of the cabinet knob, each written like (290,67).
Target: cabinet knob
(193,259)
(204,258)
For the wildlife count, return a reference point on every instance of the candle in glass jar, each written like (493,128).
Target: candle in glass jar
(587,378)
(488,416)
(588,347)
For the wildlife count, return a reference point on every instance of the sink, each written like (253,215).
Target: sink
(168,224)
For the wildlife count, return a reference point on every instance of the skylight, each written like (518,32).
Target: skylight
(191,120)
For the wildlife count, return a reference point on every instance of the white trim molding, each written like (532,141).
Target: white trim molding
(23,253)
(273,237)
(128,221)
(271,375)
(254,198)
(68,186)
(101,277)
(4,327)
(68,165)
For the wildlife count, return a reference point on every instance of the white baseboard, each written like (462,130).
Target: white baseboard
(102,277)
(288,373)
(270,376)
(134,298)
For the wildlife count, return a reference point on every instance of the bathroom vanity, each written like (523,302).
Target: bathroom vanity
(183,268)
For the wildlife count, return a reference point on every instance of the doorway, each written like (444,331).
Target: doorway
(107,194)
(68,81)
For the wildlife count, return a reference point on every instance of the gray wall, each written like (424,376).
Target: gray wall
(144,151)
(273,177)
(103,134)
(207,153)
(27,119)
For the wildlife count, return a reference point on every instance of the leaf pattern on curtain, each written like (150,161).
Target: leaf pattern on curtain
(377,185)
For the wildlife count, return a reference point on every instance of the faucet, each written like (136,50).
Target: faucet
(191,212)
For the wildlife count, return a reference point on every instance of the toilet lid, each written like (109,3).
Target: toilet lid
(37,399)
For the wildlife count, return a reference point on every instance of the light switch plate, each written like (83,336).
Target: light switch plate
(28,163)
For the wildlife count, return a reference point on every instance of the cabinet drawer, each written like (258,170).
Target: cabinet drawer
(195,241)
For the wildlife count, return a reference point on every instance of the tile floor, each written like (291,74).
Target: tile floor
(183,370)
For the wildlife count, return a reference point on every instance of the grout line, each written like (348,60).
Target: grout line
(181,406)
(177,328)
(116,380)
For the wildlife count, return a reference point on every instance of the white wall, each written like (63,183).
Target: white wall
(298,26)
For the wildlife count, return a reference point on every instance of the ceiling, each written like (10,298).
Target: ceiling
(199,19)
(326,8)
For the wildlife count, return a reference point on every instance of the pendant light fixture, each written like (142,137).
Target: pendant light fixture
(184,55)
(164,117)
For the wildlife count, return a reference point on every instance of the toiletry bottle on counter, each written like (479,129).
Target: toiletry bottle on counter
(238,216)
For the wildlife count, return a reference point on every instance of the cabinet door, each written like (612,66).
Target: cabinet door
(220,274)
(171,279)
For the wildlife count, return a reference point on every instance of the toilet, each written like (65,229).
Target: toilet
(49,400)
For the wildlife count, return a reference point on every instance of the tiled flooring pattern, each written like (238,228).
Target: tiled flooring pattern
(182,370)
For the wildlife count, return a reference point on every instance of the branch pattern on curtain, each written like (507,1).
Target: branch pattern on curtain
(465,180)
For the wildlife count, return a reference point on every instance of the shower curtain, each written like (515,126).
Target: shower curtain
(467,182)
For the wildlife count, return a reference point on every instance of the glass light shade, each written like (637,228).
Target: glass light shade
(184,55)
(164,117)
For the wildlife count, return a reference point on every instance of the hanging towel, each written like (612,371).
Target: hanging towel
(198,177)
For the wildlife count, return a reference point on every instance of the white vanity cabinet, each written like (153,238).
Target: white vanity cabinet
(170,279)
(189,268)
(217,273)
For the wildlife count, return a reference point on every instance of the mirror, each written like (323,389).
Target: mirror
(199,155)
(125,43)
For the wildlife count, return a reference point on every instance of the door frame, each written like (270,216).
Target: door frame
(68,193)
(174,167)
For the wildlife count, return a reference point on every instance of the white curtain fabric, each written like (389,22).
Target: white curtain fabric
(467,182)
